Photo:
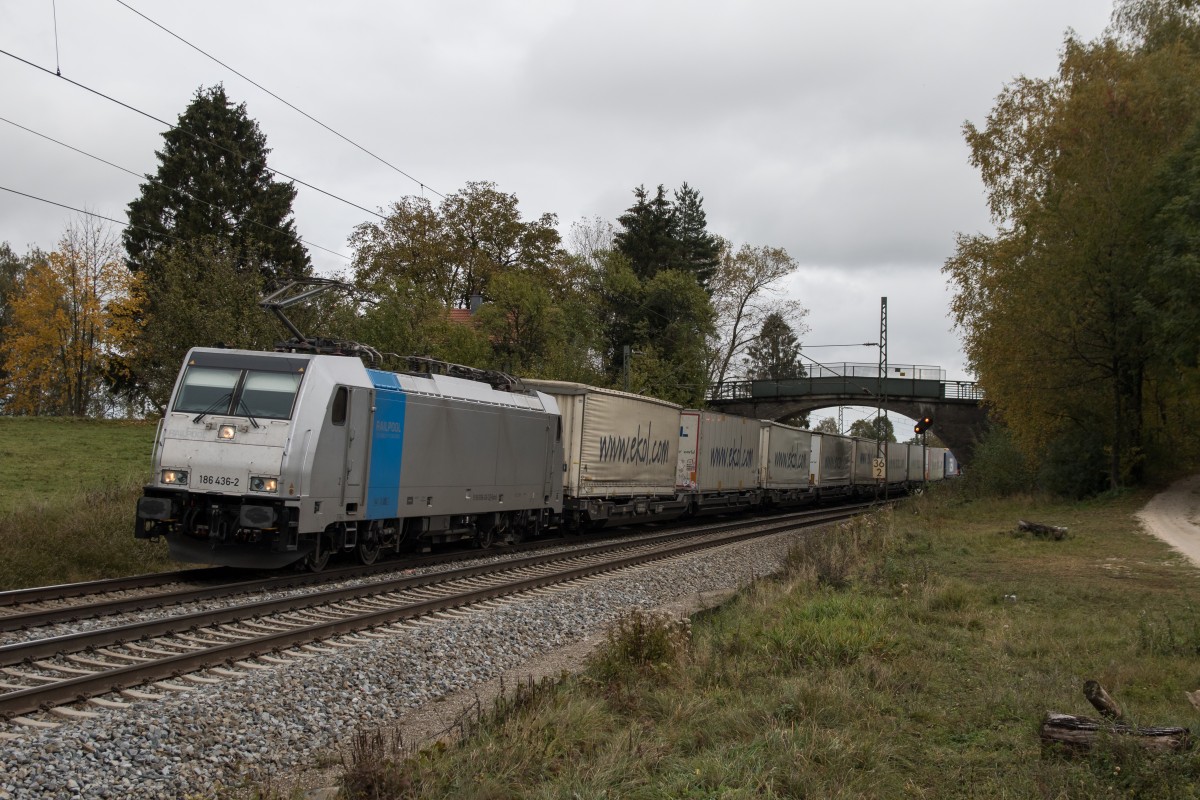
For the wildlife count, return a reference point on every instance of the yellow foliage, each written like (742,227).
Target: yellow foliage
(61,338)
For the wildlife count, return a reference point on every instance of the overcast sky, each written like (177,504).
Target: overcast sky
(832,130)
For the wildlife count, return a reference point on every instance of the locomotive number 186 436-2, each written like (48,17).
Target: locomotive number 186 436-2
(219,480)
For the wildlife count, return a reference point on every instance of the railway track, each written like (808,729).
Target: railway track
(63,675)
(21,609)
(25,609)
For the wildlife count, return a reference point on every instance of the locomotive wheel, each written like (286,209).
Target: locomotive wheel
(369,549)
(319,557)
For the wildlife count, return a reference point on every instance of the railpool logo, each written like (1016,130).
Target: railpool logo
(635,449)
(735,457)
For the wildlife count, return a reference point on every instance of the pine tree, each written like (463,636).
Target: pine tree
(699,250)
(213,184)
(775,355)
(212,200)
(649,237)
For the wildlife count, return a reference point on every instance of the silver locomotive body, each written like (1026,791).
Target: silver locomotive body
(264,459)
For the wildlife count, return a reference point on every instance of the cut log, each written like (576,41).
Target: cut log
(1039,529)
(1081,733)
(1101,700)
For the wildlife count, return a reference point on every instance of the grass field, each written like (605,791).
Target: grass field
(913,654)
(68,490)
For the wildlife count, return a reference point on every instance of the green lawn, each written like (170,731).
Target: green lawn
(46,457)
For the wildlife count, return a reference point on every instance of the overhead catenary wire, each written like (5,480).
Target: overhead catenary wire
(192,135)
(159,183)
(300,111)
(87,213)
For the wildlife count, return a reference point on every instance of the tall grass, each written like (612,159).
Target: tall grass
(911,654)
(68,495)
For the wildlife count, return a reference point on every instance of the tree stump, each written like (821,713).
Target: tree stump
(1101,700)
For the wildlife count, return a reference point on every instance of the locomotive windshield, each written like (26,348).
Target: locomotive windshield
(238,392)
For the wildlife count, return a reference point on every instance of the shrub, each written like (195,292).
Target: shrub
(640,643)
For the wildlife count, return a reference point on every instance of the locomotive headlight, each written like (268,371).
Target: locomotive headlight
(175,477)
(226,432)
(258,484)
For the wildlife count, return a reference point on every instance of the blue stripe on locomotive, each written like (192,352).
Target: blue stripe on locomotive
(387,446)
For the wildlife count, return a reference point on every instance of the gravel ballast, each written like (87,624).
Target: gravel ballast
(272,724)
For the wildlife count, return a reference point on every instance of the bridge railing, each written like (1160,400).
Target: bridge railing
(962,390)
(862,388)
(731,390)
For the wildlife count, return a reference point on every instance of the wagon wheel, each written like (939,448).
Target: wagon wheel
(369,547)
(486,537)
(319,557)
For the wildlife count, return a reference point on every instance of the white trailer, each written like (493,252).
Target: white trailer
(916,463)
(620,452)
(897,463)
(785,474)
(832,460)
(718,463)
(935,463)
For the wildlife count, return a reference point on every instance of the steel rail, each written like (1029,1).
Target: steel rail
(13,654)
(24,701)
(62,591)
(69,613)
(73,613)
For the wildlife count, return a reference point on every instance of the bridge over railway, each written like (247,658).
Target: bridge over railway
(915,391)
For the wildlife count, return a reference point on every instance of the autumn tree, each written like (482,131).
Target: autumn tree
(12,273)
(1052,307)
(745,293)
(452,251)
(59,337)
(529,296)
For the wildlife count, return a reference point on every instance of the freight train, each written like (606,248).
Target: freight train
(268,459)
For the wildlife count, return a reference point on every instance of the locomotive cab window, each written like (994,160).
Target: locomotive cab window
(269,394)
(238,392)
(207,389)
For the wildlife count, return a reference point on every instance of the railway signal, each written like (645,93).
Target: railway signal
(923,424)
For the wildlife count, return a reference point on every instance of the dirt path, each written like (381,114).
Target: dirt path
(1174,517)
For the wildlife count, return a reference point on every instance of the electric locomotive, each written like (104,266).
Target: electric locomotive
(267,459)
